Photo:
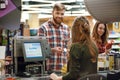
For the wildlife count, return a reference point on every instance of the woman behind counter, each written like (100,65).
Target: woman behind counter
(83,52)
(100,36)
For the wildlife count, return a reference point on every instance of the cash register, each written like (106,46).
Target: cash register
(30,54)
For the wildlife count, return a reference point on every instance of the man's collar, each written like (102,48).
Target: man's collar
(52,22)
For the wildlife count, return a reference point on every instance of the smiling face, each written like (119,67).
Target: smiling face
(101,29)
(58,16)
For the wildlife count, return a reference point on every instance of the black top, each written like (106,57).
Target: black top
(80,63)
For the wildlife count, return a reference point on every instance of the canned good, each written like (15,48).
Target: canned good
(111,62)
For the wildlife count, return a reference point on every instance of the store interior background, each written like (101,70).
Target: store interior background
(37,12)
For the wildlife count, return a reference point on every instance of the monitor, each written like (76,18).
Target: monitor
(29,50)
(33,50)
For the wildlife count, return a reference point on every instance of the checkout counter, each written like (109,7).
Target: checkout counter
(111,71)
(109,65)
(20,78)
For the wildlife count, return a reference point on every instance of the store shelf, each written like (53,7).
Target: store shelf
(115,47)
(115,41)
(116,38)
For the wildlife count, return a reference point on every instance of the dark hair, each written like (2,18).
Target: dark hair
(59,6)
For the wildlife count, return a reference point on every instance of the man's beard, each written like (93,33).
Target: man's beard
(58,21)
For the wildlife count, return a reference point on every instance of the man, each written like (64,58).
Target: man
(58,35)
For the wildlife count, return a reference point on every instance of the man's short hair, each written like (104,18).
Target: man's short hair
(59,6)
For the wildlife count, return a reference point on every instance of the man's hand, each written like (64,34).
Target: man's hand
(58,50)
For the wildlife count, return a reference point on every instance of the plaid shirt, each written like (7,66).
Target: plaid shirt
(56,37)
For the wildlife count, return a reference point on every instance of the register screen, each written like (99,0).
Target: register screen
(33,50)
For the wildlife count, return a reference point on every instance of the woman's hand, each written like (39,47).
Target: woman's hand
(109,44)
(59,78)
(107,51)
(53,76)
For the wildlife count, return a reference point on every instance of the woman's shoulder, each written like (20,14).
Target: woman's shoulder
(78,45)
(75,44)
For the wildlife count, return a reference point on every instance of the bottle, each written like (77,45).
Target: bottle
(2,4)
(111,62)
(26,29)
(101,62)
(117,61)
